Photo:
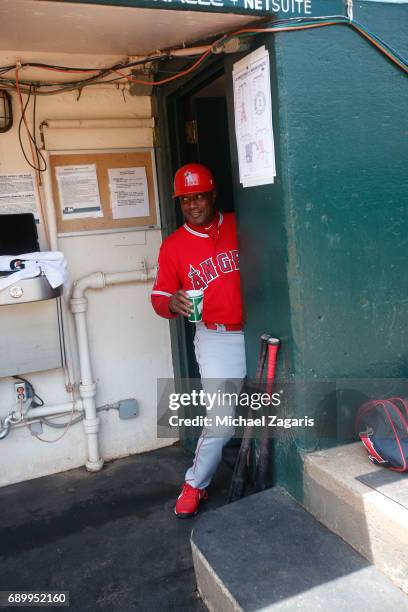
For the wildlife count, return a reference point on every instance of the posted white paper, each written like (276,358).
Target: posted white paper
(79,191)
(18,194)
(253,119)
(129,192)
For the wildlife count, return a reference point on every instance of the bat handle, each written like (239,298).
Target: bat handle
(273,346)
(262,356)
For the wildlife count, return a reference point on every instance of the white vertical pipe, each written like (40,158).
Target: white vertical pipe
(87,387)
(83,345)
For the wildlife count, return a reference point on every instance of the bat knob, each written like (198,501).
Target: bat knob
(273,341)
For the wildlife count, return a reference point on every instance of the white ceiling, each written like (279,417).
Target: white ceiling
(59,27)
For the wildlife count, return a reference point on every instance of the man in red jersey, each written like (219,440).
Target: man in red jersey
(203,255)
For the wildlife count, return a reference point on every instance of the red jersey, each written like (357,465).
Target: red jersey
(194,257)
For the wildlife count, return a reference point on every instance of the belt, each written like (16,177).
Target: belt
(222,327)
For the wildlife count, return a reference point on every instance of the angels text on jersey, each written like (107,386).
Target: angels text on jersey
(207,270)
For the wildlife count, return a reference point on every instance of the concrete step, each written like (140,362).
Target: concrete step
(266,552)
(366,505)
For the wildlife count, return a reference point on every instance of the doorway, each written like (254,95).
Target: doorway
(206,135)
(193,123)
(204,123)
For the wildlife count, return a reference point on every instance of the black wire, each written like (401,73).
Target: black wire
(34,130)
(19,130)
(37,150)
(82,82)
(68,68)
(43,65)
(23,112)
(100,74)
(383,43)
(101,70)
(64,84)
(61,333)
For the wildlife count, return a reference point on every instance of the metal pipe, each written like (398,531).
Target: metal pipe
(40,411)
(42,419)
(185,52)
(87,388)
(5,426)
(80,417)
(128,277)
(96,280)
(75,124)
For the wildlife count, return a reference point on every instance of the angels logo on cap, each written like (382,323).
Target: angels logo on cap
(190,179)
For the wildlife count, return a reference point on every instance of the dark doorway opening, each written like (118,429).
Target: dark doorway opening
(206,126)
(198,131)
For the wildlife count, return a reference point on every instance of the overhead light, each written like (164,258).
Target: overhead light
(6,111)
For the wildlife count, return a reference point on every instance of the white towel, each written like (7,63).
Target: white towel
(50,263)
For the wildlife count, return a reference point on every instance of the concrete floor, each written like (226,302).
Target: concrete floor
(111,539)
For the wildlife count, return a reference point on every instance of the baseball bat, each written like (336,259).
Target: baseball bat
(237,487)
(261,474)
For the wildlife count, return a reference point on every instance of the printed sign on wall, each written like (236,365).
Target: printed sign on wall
(18,194)
(78,191)
(128,192)
(253,119)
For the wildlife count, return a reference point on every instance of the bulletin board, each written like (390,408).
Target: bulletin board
(104,162)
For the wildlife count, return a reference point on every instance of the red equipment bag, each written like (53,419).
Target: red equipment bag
(383,429)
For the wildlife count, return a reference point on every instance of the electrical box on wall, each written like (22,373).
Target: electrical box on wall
(30,337)
(146,74)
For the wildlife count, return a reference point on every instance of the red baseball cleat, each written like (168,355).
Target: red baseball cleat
(188,501)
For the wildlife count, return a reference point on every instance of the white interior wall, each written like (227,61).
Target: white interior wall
(130,345)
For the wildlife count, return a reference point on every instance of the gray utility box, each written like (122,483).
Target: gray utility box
(29,330)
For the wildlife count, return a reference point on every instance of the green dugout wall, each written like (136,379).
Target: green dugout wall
(324,249)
